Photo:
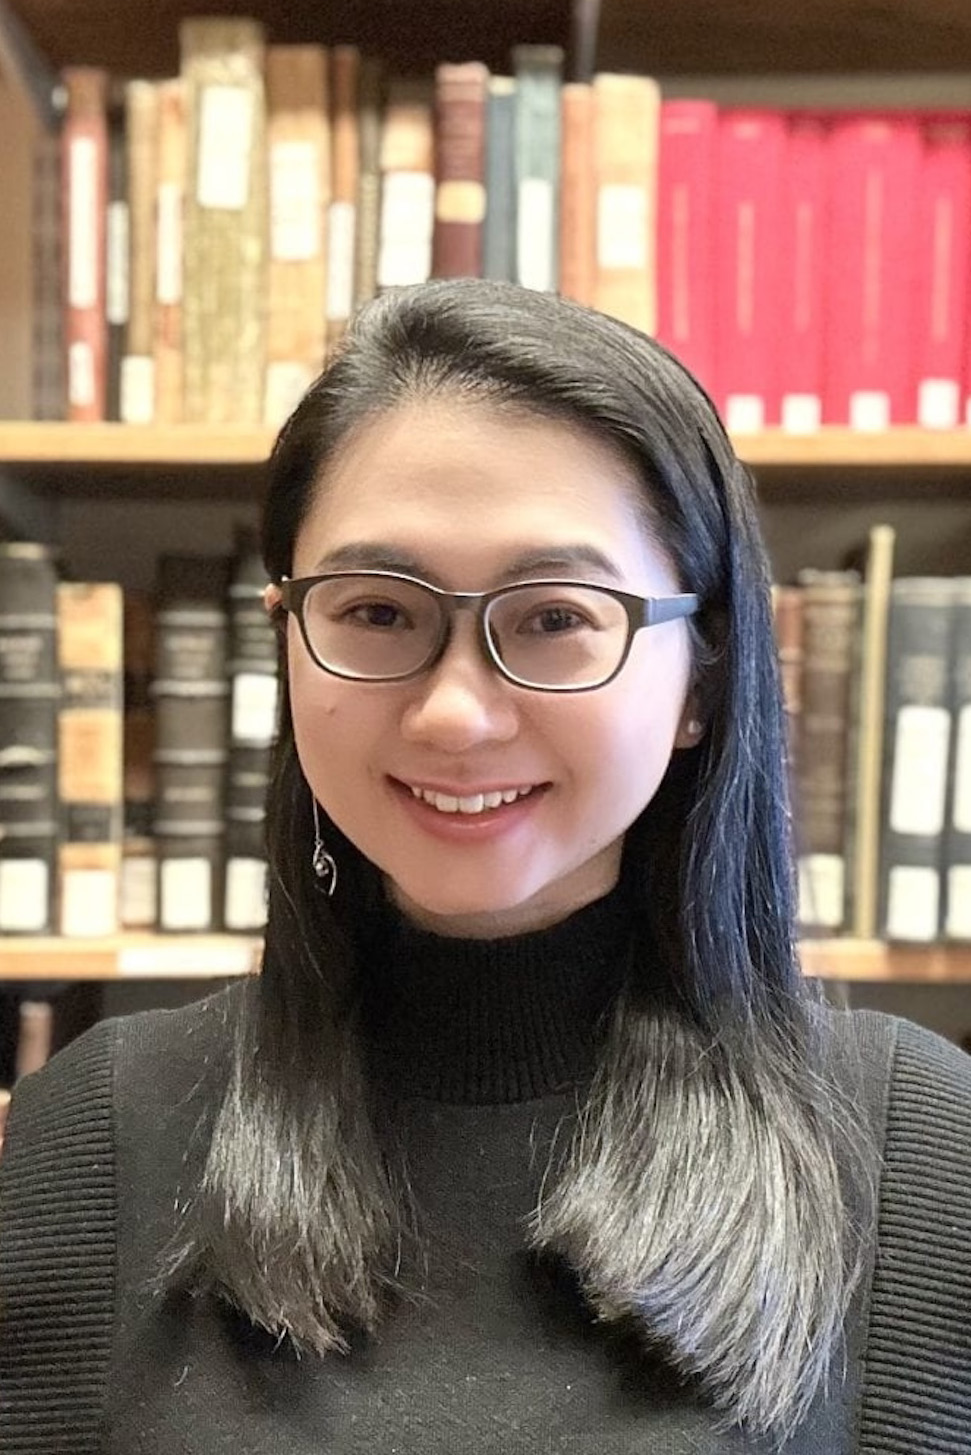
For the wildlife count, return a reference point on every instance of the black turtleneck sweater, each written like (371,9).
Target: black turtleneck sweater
(483,1050)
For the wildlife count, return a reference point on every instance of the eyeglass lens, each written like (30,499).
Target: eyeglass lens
(546,636)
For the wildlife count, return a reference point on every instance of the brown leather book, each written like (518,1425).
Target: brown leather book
(627,124)
(169,213)
(85,200)
(787,604)
(461,93)
(578,199)
(138,359)
(345,174)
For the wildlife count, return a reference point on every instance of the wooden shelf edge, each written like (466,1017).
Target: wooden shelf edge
(197,956)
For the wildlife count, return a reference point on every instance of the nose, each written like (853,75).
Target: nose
(463,701)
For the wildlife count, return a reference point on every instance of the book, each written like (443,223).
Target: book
(407,186)
(787,612)
(48,381)
(917,736)
(537,71)
(370,104)
(944,250)
(116,257)
(872,167)
(190,694)
(804,241)
(626,128)
(686,243)
(751,158)
(499,227)
(461,98)
(29,699)
(345,176)
(831,605)
(298,137)
(85,198)
(137,368)
(171,175)
(35,1036)
(957,807)
(138,907)
(224,275)
(578,203)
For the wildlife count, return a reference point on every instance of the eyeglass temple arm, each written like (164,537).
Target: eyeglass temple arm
(669,608)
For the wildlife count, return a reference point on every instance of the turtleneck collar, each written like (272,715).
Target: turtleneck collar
(489,1021)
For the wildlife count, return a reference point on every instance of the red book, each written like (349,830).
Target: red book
(748,216)
(461,95)
(85,193)
(686,247)
(803,257)
(944,257)
(872,185)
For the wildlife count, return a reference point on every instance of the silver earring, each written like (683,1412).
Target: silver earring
(325,865)
(694,727)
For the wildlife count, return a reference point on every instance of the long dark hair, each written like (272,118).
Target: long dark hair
(705,1194)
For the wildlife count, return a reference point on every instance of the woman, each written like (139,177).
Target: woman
(530,1137)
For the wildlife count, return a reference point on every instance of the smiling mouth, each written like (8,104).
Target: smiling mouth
(473,803)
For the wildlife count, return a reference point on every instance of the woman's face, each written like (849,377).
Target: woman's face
(456,493)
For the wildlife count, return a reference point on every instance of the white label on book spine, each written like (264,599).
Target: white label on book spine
(341,221)
(80,374)
(286,384)
(116,295)
(745,413)
(296,206)
(24,896)
(958,925)
(919,770)
(913,903)
(168,238)
(139,892)
(621,226)
(407,222)
(822,890)
(938,403)
(961,812)
(137,389)
(185,894)
(84,223)
(225,147)
(245,907)
(89,903)
(255,696)
(535,234)
(869,410)
(801,413)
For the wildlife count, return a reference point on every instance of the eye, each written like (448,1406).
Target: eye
(376,615)
(554,619)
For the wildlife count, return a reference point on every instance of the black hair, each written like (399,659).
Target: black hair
(711,1073)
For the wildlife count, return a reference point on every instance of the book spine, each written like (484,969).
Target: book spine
(831,621)
(627,124)
(90,759)
(137,381)
(225,221)
(686,245)
(538,71)
(872,169)
(369,120)
(916,752)
(407,187)
(787,606)
(29,698)
(345,177)
(957,844)
(499,228)
(85,192)
(578,208)
(461,93)
(944,252)
(138,900)
(169,216)
(116,258)
(802,264)
(748,218)
(299,147)
(35,1036)
(49,400)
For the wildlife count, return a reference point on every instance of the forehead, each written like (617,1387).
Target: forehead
(466,486)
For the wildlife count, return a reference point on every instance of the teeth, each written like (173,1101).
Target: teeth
(474,803)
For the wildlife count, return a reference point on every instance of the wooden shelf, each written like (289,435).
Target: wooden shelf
(171,957)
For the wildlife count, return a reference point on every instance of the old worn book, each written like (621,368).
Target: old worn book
(787,611)
(578,200)
(370,104)
(138,898)
(137,383)
(538,71)
(85,201)
(407,186)
(116,253)
(224,302)
(35,1036)
(345,175)
(461,94)
(48,383)
(957,807)
(499,228)
(90,761)
(169,212)
(298,135)
(627,122)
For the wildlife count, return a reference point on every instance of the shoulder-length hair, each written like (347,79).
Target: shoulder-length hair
(705,1195)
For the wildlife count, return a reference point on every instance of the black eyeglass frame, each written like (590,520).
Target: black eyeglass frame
(642,611)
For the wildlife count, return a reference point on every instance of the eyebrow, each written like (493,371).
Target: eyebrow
(545,560)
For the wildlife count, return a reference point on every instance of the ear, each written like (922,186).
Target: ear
(691,728)
(271,599)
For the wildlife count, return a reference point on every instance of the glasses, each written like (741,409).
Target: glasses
(552,636)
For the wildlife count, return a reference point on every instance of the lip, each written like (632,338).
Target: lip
(468,790)
(462,828)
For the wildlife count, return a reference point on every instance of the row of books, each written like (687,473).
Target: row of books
(877,680)
(134,747)
(219,228)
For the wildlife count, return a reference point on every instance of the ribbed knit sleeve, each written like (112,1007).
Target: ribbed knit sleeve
(917,1384)
(57,1253)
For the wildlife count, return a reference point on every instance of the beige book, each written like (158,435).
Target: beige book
(35,1036)
(345,175)
(169,213)
(626,127)
(138,359)
(407,186)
